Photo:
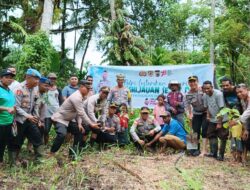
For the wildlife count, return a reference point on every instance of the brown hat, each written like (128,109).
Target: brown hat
(85,83)
(145,110)
(165,114)
(52,75)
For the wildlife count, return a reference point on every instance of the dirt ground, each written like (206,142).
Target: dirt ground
(123,169)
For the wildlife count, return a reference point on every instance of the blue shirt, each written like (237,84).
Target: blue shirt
(68,90)
(174,128)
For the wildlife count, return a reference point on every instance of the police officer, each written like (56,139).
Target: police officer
(72,108)
(110,128)
(95,106)
(120,94)
(26,108)
(197,113)
(144,129)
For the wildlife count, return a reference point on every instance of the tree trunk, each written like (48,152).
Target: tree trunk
(47,16)
(74,55)
(63,54)
(86,48)
(112,9)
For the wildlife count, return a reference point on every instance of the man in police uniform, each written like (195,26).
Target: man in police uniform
(197,113)
(120,94)
(144,129)
(110,128)
(72,108)
(26,106)
(95,106)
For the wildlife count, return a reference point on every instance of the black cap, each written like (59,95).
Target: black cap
(7,72)
(192,78)
(85,83)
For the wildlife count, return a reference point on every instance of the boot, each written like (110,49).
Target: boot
(38,153)
(213,147)
(204,146)
(46,139)
(223,144)
(12,158)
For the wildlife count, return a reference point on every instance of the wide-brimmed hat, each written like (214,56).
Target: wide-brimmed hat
(176,82)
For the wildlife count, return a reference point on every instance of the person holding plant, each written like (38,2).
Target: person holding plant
(214,102)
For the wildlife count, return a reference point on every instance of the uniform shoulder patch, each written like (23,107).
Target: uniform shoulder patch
(19,92)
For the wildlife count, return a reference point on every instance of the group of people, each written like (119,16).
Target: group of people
(29,109)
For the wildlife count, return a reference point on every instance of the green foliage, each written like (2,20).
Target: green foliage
(161,56)
(38,53)
(120,45)
(232,114)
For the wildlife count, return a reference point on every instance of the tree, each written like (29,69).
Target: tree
(37,52)
(47,16)
(120,45)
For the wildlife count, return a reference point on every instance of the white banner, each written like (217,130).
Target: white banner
(147,82)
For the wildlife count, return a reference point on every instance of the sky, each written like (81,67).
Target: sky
(93,55)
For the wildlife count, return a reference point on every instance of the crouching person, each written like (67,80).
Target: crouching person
(144,129)
(172,134)
(110,128)
(72,108)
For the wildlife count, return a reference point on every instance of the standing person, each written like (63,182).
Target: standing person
(7,110)
(55,99)
(120,94)
(95,106)
(14,83)
(175,101)
(244,95)
(44,85)
(197,113)
(230,95)
(159,109)
(26,108)
(90,79)
(66,92)
(71,87)
(214,102)
(72,108)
